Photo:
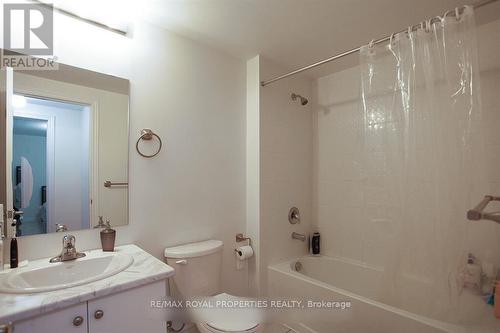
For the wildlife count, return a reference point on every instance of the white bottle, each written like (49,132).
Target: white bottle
(473,272)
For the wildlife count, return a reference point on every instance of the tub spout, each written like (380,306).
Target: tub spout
(298,236)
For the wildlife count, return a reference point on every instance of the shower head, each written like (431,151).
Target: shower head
(303,100)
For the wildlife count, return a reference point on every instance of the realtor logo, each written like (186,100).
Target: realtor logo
(28,29)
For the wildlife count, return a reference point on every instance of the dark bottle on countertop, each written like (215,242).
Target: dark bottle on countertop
(315,243)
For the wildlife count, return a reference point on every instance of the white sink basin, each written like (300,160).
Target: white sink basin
(42,276)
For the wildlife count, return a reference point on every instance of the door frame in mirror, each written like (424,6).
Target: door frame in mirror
(93,105)
(6,94)
(50,159)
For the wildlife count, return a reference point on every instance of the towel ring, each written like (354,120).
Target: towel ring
(147,134)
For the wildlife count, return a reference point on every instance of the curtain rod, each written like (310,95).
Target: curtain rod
(374,42)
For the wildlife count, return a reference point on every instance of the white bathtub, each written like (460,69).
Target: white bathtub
(325,278)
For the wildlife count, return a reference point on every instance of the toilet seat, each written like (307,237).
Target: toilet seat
(224,326)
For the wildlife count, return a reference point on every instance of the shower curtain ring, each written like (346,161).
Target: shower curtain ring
(370,45)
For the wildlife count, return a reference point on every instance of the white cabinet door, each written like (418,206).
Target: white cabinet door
(69,320)
(129,311)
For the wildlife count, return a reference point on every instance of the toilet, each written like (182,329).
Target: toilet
(197,274)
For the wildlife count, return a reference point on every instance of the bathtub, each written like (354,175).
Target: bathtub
(330,279)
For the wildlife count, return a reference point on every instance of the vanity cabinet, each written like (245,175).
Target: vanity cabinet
(70,320)
(123,312)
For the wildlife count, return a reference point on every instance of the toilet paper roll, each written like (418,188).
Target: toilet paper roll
(240,264)
(244,252)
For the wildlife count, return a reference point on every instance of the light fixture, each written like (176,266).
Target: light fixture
(113,15)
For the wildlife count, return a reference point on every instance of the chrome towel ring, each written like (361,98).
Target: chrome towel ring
(147,134)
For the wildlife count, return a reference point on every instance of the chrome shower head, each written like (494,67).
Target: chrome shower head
(303,100)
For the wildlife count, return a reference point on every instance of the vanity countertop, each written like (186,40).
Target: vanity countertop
(145,269)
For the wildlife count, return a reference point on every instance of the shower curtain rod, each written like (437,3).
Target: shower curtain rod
(377,41)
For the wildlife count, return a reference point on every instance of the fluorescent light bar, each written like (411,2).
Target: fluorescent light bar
(103,14)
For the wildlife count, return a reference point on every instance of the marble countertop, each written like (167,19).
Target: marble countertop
(144,270)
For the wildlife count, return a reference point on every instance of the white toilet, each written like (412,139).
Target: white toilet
(197,273)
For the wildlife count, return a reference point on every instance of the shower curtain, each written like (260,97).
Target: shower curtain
(423,159)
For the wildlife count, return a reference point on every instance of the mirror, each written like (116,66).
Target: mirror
(69,150)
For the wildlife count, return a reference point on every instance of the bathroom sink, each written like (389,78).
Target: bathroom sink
(42,276)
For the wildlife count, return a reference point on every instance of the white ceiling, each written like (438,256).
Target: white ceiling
(294,33)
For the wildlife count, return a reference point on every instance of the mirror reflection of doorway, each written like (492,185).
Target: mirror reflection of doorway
(50,135)
(29,163)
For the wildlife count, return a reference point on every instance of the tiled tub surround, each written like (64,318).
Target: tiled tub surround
(144,270)
(350,232)
(285,167)
(363,236)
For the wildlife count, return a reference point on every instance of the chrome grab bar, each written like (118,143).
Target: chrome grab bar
(109,183)
(477,213)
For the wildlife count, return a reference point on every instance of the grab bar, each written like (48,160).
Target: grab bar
(109,183)
(477,213)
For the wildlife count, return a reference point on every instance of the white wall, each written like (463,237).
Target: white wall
(253,170)
(194,98)
(347,230)
(285,167)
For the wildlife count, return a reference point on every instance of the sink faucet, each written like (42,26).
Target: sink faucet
(69,251)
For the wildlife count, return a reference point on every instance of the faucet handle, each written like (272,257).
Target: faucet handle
(100,223)
(61,227)
(68,241)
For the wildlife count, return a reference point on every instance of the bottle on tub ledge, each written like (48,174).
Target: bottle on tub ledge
(472,274)
(496,294)
(315,243)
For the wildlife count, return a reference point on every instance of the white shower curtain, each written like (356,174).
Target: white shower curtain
(423,159)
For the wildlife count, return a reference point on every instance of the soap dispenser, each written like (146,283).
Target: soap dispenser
(108,236)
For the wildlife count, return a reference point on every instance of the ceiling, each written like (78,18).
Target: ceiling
(294,33)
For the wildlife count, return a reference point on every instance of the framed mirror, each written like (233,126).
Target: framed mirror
(67,134)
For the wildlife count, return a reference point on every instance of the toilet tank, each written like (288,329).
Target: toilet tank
(197,268)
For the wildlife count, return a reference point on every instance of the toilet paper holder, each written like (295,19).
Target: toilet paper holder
(243,253)
(240,238)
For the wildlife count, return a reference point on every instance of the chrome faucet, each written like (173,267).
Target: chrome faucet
(298,236)
(61,227)
(69,251)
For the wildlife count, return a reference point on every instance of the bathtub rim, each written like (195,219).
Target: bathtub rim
(284,267)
